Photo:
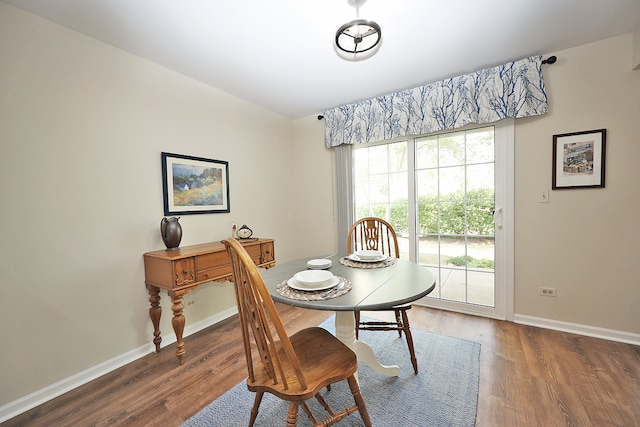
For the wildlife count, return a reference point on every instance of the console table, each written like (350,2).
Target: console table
(183,269)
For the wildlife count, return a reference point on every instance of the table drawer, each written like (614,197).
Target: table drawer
(214,273)
(254,252)
(212,260)
(216,259)
(267,254)
(184,272)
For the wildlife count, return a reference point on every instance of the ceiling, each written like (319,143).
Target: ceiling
(279,54)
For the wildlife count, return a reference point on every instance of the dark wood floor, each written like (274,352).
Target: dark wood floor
(528,377)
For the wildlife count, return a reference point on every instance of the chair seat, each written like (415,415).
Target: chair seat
(311,345)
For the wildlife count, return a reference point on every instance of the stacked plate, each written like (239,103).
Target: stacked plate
(367,256)
(313,280)
(319,264)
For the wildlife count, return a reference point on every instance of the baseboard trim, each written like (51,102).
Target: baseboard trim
(575,328)
(30,401)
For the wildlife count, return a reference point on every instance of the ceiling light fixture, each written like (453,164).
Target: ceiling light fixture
(359,39)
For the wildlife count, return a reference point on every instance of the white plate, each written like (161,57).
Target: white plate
(319,264)
(354,257)
(313,278)
(367,254)
(293,284)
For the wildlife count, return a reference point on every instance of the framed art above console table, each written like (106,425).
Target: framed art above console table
(182,270)
(194,185)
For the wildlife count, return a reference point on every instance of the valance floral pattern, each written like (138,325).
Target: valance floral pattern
(511,90)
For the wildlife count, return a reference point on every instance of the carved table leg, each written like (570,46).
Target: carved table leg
(154,313)
(178,325)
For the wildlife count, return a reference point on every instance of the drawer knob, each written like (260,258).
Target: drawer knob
(185,271)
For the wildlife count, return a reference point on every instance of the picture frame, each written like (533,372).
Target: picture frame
(194,185)
(579,159)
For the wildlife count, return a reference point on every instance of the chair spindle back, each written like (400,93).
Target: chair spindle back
(373,234)
(259,319)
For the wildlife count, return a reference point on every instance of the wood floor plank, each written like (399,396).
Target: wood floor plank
(528,377)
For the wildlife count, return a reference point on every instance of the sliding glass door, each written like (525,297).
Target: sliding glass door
(446,195)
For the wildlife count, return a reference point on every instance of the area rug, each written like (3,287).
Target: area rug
(444,393)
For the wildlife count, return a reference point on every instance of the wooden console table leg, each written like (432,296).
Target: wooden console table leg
(154,313)
(178,325)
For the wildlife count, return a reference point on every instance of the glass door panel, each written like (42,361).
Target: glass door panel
(455,188)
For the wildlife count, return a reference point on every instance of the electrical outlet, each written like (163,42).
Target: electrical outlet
(547,292)
(190,297)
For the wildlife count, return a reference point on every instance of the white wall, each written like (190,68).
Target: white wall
(82,126)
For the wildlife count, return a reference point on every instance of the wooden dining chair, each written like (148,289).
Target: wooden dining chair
(377,234)
(294,368)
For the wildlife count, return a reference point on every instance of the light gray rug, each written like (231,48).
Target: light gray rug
(444,393)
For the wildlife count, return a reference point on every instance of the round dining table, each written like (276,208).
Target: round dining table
(369,286)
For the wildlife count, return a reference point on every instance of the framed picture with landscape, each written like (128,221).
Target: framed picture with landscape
(194,185)
(578,159)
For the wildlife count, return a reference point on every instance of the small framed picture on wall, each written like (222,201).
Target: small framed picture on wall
(579,159)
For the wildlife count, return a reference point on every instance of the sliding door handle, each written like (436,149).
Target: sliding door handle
(497,217)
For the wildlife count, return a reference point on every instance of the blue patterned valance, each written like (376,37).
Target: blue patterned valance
(512,90)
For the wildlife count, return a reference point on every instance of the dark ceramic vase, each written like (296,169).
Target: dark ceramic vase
(171,232)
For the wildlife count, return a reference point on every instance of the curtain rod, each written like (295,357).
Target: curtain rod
(550,60)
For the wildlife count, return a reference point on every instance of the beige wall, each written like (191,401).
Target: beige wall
(583,242)
(635,58)
(82,126)
(314,189)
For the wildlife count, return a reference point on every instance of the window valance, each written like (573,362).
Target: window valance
(511,90)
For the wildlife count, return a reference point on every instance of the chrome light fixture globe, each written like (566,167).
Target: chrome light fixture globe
(359,39)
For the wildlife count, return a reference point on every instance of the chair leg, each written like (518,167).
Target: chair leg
(292,415)
(256,405)
(355,391)
(399,321)
(310,415)
(324,404)
(357,316)
(407,333)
